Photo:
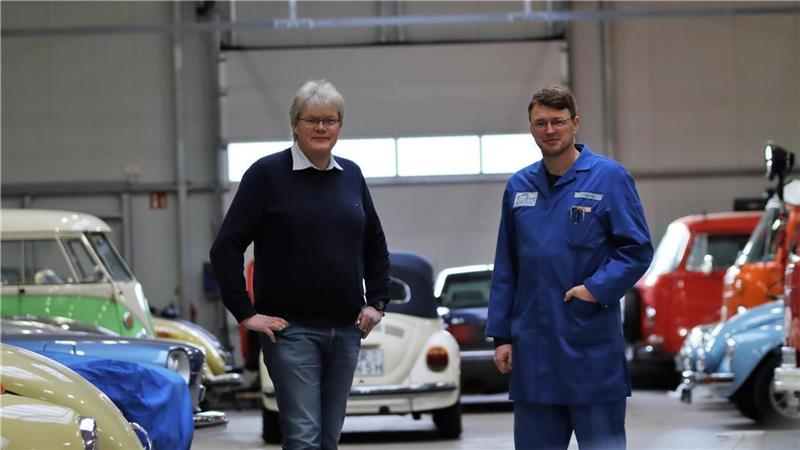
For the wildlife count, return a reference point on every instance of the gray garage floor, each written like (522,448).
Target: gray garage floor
(655,421)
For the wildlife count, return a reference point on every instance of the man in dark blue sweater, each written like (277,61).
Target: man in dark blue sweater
(322,268)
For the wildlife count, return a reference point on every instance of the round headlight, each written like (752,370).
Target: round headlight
(178,361)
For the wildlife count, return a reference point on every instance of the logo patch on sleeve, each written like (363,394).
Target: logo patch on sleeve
(589,195)
(525,199)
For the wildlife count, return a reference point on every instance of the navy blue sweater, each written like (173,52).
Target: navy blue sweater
(316,235)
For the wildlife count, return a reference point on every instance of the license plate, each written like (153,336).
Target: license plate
(370,362)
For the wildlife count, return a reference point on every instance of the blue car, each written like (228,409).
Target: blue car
(65,336)
(736,360)
(462,294)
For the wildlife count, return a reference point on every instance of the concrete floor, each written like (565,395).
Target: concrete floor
(655,421)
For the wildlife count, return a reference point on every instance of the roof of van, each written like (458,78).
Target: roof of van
(40,220)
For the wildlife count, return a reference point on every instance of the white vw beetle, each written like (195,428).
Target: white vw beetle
(408,364)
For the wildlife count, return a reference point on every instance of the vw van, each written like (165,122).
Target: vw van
(683,286)
(62,264)
(59,263)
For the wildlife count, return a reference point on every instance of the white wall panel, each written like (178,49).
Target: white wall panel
(394,91)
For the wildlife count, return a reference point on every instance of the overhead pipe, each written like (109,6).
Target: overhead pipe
(356,22)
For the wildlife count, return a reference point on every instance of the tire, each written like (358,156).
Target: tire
(758,400)
(745,401)
(270,429)
(632,320)
(448,421)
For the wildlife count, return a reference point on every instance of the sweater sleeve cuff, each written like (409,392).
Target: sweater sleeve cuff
(501,341)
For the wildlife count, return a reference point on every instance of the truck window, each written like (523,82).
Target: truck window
(722,248)
(11,252)
(108,254)
(670,250)
(466,290)
(45,263)
(766,237)
(81,260)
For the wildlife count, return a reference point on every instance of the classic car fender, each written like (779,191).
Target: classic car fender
(31,423)
(766,314)
(218,359)
(30,375)
(744,353)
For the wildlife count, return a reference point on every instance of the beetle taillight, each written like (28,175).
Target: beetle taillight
(437,358)
(466,333)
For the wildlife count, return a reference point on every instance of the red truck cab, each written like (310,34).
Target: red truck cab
(683,286)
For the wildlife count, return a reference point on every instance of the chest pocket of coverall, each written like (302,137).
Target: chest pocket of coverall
(584,230)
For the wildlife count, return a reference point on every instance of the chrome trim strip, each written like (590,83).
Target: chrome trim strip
(393,389)
(140,429)
(224,379)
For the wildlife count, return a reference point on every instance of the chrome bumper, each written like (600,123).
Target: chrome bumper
(477,355)
(208,419)
(225,380)
(787,375)
(394,389)
(693,379)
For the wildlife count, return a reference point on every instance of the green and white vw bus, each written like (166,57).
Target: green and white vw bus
(62,264)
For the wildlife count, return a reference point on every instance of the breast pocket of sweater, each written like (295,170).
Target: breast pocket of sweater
(584,229)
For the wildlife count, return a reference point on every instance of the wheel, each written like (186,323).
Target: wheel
(745,401)
(758,399)
(448,421)
(632,320)
(270,430)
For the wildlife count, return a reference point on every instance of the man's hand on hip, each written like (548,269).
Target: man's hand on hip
(265,324)
(581,293)
(367,319)
(502,358)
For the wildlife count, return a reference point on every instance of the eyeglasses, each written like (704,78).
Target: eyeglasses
(541,124)
(327,122)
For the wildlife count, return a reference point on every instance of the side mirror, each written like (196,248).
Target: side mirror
(708,264)
(777,162)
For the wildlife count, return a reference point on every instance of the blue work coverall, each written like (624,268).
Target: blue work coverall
(589,229)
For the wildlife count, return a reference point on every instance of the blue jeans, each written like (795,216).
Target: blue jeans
(312,369)
(597,426)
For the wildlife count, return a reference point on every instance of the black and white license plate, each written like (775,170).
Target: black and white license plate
(370,362)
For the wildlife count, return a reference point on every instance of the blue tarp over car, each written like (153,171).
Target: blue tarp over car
(156,398)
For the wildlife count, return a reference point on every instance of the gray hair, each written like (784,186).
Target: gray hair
(315,93)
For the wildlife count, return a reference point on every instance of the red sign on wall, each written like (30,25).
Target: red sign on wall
(158,200)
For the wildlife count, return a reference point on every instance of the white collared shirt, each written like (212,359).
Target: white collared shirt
(301,162)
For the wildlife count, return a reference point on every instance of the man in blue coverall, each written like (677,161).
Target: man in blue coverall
(572,240)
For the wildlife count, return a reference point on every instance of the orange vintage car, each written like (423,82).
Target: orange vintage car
(758,274)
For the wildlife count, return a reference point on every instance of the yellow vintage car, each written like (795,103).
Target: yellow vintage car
(30,423)
(46,405)
(217,374)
